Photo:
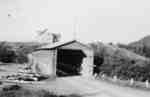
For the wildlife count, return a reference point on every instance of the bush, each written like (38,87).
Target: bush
(11,87)
(48,94)
(16,52)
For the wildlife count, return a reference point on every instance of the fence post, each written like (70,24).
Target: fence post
(131,81)
(147,83)
(95,75)
(103,76)
(115,78)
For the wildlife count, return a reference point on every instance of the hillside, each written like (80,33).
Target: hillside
(124,53)
(144,41)
(113,60)
(112,54)
(141,47)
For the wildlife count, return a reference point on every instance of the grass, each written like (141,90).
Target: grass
(18,91)
(126,83)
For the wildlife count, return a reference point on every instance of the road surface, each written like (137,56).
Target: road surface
(89,87)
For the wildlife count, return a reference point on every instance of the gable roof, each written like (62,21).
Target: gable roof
(60,44)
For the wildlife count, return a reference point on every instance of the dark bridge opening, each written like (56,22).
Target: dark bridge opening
(98,61)
(69,62)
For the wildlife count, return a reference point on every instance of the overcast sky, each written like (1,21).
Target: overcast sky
(105,20)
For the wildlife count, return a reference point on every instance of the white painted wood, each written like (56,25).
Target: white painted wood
(43,62)
(87,68)
(147,83)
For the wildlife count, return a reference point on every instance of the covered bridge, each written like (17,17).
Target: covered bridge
(63,59)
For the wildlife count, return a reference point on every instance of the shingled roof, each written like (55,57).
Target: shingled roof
(60,44)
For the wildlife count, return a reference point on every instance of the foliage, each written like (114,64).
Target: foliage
(7,54)
(141,47)
(11,87)
(112,60)
(45,35)
(16,52)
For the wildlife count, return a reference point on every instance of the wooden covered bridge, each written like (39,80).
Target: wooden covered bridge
(64,59)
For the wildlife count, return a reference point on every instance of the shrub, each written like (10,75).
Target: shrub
(11,87)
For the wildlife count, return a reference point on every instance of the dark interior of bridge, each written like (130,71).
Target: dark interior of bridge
(69,62)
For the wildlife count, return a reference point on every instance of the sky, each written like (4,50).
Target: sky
(115,21)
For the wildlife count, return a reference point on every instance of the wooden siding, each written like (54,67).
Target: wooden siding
(45,62)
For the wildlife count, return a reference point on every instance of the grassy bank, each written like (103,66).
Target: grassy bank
(125,83)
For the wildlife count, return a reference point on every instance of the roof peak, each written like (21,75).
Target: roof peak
(60,44)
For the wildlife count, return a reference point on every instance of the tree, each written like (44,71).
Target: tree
(7,53)
(46,36)
(56,37)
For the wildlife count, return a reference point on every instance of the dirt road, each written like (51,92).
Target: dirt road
(91,88)
(94,88)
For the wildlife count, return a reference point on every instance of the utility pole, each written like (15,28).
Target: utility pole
(75,21)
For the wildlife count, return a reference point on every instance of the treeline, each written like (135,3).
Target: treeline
(16,52)
(127,71)
(112,60)
(141,47)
